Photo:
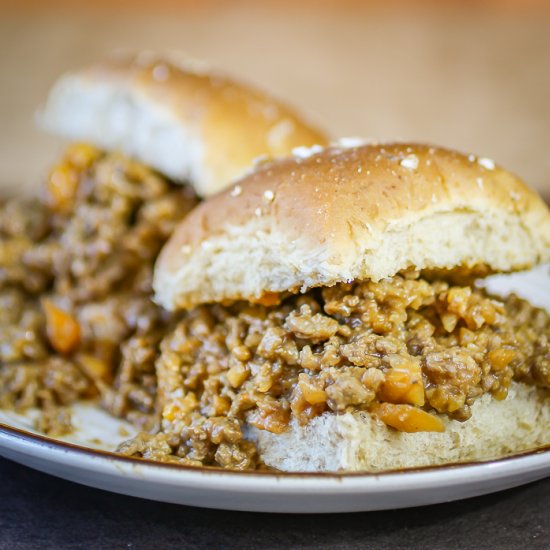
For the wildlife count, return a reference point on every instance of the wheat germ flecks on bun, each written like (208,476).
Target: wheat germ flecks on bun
(189,124)
(344,214)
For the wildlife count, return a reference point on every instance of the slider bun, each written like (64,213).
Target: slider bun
(191,125)
(348,213)
(359,442)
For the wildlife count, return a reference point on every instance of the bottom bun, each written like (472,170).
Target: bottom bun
(359,442)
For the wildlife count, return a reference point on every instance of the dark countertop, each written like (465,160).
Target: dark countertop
(40,511)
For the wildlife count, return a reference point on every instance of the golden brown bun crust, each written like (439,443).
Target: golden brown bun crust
(352,213)
(186,122)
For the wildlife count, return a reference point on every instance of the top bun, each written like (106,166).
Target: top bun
(346,214)
(189,124)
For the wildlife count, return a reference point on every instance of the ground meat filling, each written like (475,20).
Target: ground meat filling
(76,317)
(402,348)
(77,321)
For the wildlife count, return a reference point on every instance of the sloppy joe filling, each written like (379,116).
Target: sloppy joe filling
(76,316)
(77,321)
(403,348)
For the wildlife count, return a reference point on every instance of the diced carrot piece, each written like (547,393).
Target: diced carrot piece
(237,375)
(275,421)
(62,329)
(500,358)
(81,155)
(220,405)
(312,394)
(268,299)
(61,188)
(403,384)
(178,408)
(95,368)
(407,418)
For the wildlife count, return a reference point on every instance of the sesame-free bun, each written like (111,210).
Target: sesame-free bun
(188,123)
(352,213)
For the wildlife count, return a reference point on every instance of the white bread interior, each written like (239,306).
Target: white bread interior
(359,442)
(346,214)
(192,125)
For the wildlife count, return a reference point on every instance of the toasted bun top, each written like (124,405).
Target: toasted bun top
(189,124)
(344,214)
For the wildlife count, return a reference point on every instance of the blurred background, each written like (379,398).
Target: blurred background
(465,74)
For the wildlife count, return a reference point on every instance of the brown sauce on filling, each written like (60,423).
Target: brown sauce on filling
(77,321)
(76,317)
(403,348)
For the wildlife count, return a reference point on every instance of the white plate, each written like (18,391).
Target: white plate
(86,457)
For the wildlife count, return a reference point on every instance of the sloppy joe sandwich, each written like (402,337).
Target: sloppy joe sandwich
(176,116)
(76,316)
(337,323)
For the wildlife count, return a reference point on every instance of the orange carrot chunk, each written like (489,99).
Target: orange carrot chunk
(407,418)
(62,329)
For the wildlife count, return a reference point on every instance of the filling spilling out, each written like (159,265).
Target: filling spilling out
(76,316)
(77,322)
(403,349)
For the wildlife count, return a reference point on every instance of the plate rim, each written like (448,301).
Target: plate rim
(56,445)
